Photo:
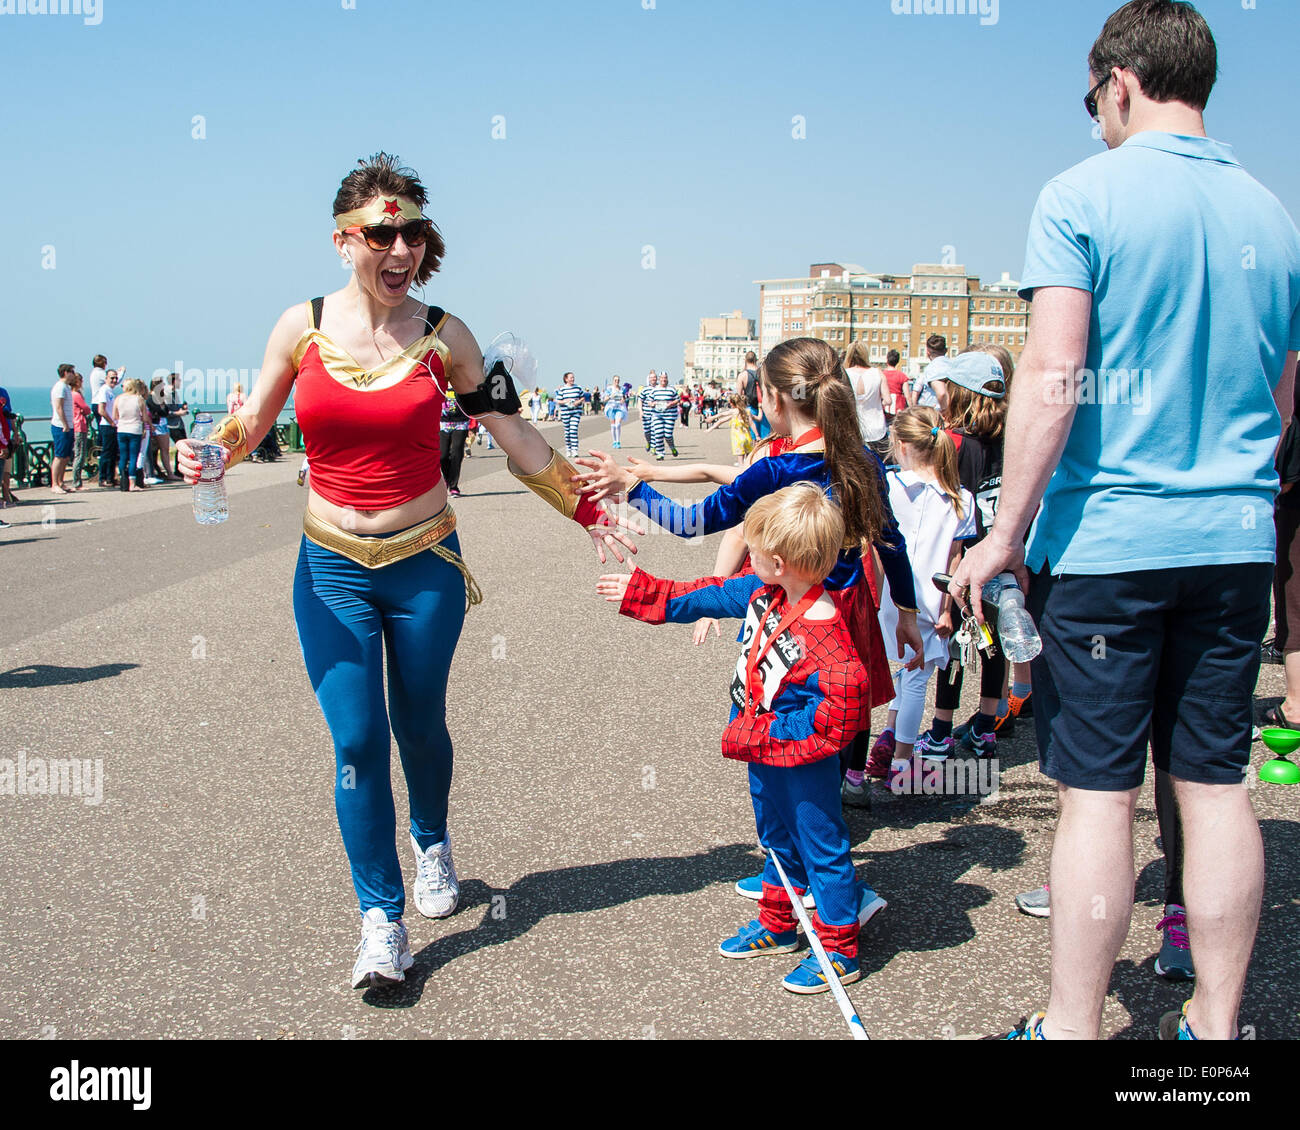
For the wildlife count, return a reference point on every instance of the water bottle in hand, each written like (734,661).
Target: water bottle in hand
(210,506)
(1020,641)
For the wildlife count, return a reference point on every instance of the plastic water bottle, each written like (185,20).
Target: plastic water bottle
(1020,641)
(210,505)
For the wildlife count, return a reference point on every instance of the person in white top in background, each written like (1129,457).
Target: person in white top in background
(61,427)
(102,405)
(98,375)
(936,515)
(871,391)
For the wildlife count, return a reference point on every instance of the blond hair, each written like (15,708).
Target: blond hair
(857,356)
(922,430)
(974,413)
(801,525)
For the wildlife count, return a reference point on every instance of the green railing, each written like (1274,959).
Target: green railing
(32,458)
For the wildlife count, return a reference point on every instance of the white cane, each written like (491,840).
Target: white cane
(828,970)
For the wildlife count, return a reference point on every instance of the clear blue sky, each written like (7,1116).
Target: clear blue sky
(624,127)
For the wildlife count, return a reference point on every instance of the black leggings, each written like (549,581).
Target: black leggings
(992,672)
(452,444)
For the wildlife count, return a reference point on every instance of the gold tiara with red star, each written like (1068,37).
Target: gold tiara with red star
(397,208)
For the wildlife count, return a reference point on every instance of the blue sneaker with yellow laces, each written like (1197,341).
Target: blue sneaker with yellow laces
(756,940)
(807,977)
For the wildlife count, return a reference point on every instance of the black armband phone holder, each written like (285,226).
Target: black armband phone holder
(496,394)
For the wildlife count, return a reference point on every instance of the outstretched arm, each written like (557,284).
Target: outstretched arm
(656,600)
(648,472)
(531,459)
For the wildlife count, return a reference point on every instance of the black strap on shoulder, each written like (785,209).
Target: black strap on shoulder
(317,308)
(433,319)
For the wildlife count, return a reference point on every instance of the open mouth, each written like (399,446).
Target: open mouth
(395,281)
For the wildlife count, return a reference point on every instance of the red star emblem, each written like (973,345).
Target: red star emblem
(392,208)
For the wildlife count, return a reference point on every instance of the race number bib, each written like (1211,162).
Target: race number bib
(776,665)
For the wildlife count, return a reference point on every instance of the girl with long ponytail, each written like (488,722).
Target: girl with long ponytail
(937,516)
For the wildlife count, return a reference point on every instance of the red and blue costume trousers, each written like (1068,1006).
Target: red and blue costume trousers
(797,810)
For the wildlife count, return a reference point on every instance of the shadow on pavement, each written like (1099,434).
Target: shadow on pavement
(41,675)
(1272,997)
(1271,1000)
(928,907)
(24,541)
(567,890)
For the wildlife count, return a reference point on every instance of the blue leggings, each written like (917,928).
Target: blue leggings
(128,453)
(349,617)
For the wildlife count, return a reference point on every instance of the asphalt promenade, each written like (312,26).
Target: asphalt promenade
(201,889)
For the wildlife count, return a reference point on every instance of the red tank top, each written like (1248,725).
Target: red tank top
(370,448)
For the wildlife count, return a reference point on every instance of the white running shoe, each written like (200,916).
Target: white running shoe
(384,955)
(437,890)
(869,905)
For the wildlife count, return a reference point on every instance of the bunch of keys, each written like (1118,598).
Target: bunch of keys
(971,636)
(964,642)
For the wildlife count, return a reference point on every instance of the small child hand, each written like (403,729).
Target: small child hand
(641,469)
(613,586)
(943,627)
(701,632)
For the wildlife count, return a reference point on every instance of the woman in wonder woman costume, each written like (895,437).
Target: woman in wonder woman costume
(379,567)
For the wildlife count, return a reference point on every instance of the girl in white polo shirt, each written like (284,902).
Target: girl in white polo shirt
(936,516)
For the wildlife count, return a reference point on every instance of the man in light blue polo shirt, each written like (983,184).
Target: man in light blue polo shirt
(1145,414)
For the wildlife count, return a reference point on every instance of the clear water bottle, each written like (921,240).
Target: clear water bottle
(1020,641)
(210,506)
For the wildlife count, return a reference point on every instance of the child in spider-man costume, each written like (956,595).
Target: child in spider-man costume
(798,697)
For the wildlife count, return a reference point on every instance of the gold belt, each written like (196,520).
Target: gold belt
(375,553)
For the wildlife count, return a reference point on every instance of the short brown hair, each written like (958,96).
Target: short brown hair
(384,175)
(937,343)
(751,358)
(1166,43)
(65,368)
(799,524)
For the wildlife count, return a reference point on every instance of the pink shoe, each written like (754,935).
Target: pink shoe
(882,754)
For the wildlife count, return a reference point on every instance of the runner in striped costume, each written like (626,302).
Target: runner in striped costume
(568,397)
(663,401)
(647,418)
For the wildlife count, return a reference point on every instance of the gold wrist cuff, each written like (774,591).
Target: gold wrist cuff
(553,484)
(233,436)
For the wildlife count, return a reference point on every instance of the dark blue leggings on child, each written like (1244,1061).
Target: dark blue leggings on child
(798,813)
